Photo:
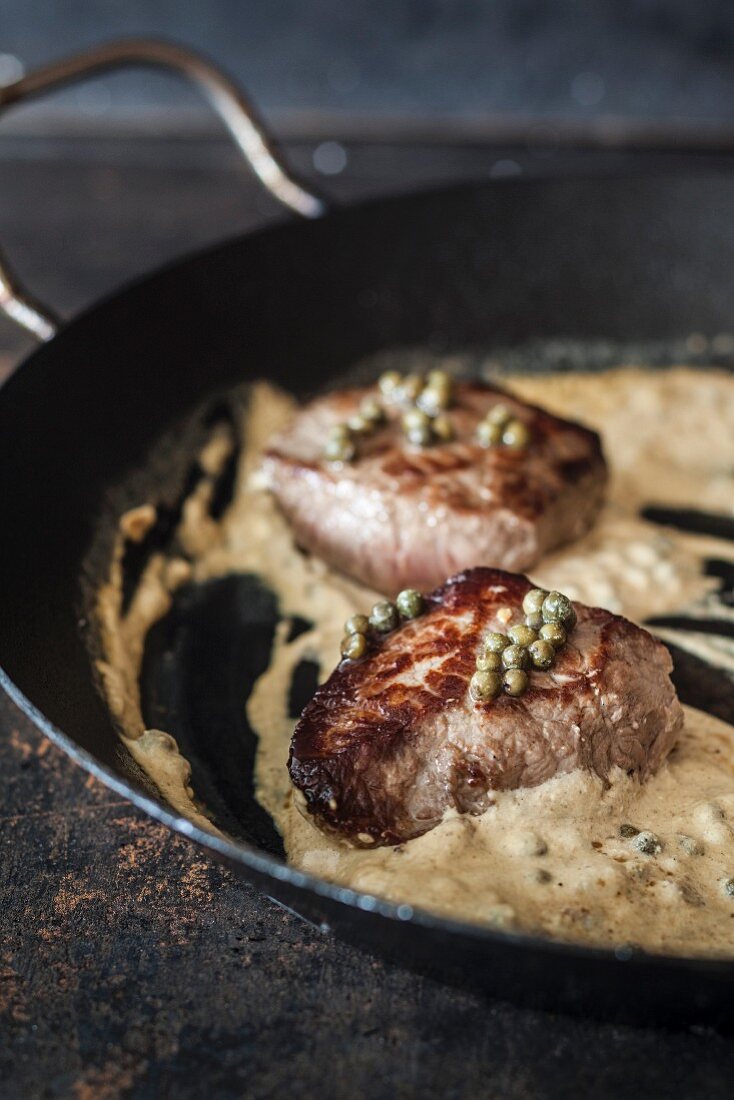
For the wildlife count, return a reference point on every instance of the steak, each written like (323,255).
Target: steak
(388,744)
(402,516)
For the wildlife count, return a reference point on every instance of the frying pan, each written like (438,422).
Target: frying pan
(111,403)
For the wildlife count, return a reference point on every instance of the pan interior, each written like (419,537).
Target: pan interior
(203,658)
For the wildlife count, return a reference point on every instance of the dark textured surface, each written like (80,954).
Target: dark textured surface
(132,966)
(664,58)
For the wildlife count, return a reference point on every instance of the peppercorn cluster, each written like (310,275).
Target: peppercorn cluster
(648,843)
(500,428)
(505,660)
(361,630)
(424,400)
(341,444)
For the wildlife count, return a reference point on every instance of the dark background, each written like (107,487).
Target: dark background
(368,95)
(436,60)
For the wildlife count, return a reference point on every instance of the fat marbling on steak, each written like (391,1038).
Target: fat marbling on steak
(389,743)
(402,516)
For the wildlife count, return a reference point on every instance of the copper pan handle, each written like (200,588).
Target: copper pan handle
(226,98)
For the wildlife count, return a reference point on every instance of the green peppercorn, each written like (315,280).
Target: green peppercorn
(420,437)
(359,424)
(498,414)
(534,621)
(384,617)
(388,383)
(647,843)
(485,685)
(496,642)
(415,418)
(339,449)
(433,400)
(438,392)
(628,831)
(489,435)
(489,662)
(409,603)
(542,654)
(515,682)
(410,389)
(354,646)
(440,380)
(357,624)
(515,656)
(729,887)
(372,410)
(553,633)
(443,429)
(429,401)
(516,435)
(690,845)
(557,608)
(522,635)
(340,431)
(533,600)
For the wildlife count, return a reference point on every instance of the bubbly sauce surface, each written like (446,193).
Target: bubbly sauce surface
(646,864)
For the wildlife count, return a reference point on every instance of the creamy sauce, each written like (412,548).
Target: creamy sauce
(669,440)
(549,859)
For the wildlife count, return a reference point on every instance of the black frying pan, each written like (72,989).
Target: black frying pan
(467,269)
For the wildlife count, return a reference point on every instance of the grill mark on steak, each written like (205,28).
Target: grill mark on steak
(389,744)
(423,464)
(401,515)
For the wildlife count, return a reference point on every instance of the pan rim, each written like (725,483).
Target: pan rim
(283,222)
(247,856)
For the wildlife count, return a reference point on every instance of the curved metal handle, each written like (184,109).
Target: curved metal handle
(229,101)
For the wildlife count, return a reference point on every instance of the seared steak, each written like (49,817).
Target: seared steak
(399,515)
(390,743)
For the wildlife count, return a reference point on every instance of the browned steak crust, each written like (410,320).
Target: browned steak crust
(388,744)
(401,516)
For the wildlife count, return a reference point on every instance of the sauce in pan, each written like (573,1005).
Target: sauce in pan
(649,864)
